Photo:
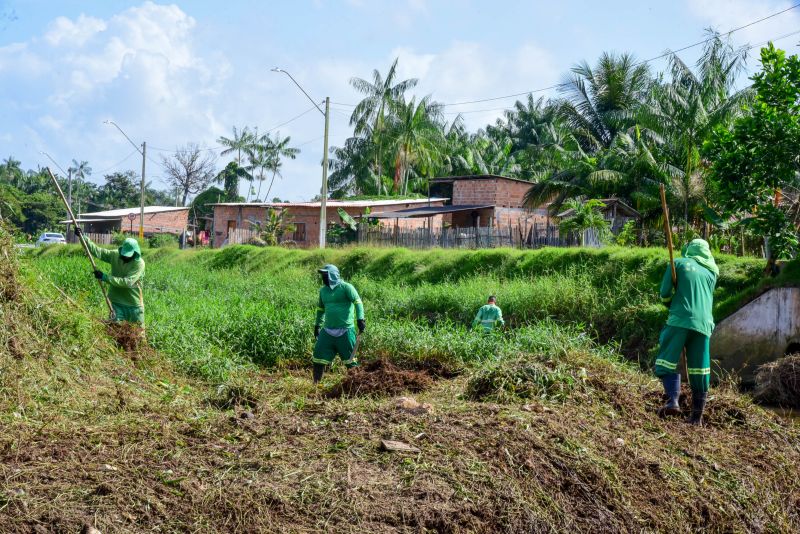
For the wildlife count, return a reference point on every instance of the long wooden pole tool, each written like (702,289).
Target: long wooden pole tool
(668,233)
(85,246)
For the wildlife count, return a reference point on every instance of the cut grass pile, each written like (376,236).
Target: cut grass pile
(93,437)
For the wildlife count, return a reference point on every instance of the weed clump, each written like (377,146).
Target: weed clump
(520,379)
(380,378)
(778,382)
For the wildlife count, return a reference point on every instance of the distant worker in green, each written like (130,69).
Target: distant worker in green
(125,280)
(489,315)
(339,311)
(689,326)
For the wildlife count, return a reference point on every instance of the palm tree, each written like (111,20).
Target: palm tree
(279,148)
(585,216)
(80,170)
(603,101)
(241,140)
(689,107)
(369,116)
(416,137)
(351,169)
(259,160)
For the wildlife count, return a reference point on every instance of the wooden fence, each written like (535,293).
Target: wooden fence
(471,237)
(99,239)
(241,236)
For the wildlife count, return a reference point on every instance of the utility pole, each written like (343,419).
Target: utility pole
(323,205)
(69,192)
(141,203)
(143,152)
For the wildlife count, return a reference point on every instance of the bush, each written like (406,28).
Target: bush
(162,241)
(119,237)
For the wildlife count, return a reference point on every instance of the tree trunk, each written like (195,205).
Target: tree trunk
(270,185)
(260,183)
(397,175)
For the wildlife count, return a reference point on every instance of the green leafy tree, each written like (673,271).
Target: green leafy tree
(120,190)
(229,178)
(685,111)
(585,216)
(416,138)
(757,157)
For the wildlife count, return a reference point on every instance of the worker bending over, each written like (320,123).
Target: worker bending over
(489,315)
(339,304)
(125,280)
(689,326)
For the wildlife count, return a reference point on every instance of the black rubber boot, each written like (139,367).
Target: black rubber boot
(318,371)
(672,389)
(698,406)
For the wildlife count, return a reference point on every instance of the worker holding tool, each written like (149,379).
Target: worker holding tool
(125,280)
(339,310)
(689,326)
(489,315)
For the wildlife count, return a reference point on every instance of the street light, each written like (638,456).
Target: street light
(323,213)
(143,152)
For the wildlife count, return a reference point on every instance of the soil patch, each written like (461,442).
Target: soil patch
(129,336)
(380,378)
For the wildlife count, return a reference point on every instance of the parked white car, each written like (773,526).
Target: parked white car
(50,238)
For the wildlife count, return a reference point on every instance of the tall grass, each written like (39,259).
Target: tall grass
(215,311)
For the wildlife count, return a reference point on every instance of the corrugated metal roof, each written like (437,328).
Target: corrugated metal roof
(333,203)
(445,179)
(124,212)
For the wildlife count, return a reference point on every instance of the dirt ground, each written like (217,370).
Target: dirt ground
(482,468)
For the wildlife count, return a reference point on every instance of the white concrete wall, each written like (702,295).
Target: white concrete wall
(759,332)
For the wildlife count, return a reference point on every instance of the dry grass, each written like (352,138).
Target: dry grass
(92,436)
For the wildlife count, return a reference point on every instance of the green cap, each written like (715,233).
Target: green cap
(130,247)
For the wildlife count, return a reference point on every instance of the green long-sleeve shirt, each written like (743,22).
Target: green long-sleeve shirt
(125,280)
(693,299)
(336,306)
(488,316)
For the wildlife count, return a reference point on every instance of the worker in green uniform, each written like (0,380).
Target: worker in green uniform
(125,280)
(339,310)
(689,326)
(489,315)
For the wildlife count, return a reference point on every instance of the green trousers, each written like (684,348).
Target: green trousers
(672,341)
(131,314)
(327,347)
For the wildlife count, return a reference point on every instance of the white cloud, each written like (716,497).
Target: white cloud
(139,67)
(467,71)
(63,31)
(145,69)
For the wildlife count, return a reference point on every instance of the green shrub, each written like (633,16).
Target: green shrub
(162,241)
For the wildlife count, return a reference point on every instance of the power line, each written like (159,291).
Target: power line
(661,56)
(123,160)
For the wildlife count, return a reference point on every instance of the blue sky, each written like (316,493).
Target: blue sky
(174,73)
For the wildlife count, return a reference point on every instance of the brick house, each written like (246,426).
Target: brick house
(479,200)
(157,220)
(232,216)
